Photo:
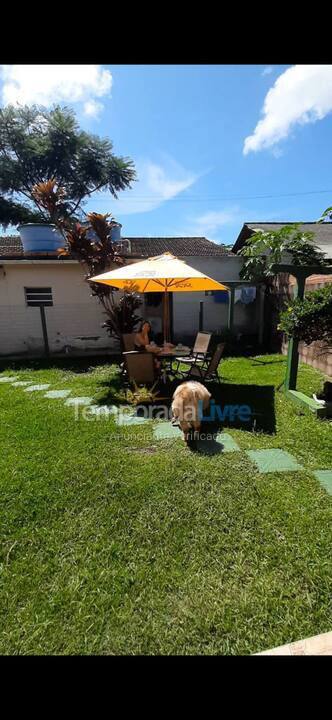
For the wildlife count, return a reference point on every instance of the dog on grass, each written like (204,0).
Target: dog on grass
(188,402)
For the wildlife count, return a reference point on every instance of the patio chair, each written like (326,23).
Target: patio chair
(201,346)
(140,366)
(127,345)
(199,352)
(207,369)
(128,342)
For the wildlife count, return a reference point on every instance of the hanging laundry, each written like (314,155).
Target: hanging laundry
(248,295)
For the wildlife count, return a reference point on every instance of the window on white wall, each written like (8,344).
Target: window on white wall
(35,297)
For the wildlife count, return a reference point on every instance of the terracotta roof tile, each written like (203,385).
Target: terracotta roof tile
(141,246)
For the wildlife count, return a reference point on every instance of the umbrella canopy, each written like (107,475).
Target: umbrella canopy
(163,273)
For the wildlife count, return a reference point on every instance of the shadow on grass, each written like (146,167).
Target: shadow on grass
(77,365)
(260,399)
(206,445)
(260,361)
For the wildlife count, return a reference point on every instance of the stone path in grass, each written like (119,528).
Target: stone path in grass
(317,645)
(273,460)
(53,394)
(266,461)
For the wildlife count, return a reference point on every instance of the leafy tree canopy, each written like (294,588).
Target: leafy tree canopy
(287,240)
(326,215)
(37,145)
(310,319)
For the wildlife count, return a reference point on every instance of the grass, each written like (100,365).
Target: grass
(115,543)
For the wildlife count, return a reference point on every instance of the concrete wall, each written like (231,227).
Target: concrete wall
(73,323)
(215,314)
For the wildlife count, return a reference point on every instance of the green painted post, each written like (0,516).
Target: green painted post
(293,344)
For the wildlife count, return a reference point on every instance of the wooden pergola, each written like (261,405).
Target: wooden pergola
(301,273)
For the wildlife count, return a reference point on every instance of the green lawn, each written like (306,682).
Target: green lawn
(113,542)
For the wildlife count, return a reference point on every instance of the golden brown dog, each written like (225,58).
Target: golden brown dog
(188,402)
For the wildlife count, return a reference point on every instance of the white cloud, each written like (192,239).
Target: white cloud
(49,84)
(92,108)
(267,70)
(277,152)
(302,94)
(209,223)
(155,185)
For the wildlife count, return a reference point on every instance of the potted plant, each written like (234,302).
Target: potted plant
(44,238)
(40,147)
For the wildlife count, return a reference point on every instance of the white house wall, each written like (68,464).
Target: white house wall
(73,323)
(186,306)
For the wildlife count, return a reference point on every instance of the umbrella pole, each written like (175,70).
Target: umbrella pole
(166,316)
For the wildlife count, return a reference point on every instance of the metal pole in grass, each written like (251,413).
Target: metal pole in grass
(44,328)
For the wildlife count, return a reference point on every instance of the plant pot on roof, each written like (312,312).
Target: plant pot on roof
(41,239)
(45,238)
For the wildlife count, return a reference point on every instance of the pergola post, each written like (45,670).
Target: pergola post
(300,273)
(293,344)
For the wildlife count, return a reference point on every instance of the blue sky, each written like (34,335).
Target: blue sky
(207,141)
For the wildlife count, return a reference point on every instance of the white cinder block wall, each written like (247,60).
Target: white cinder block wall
(215,314)
(73,323)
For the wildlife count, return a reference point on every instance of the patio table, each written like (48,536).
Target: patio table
(170,355)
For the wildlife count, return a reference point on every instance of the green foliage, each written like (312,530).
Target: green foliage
(13,213)
(310,319)
(264,249)
(122,315)
(92,246)
(326,215)
(37,145)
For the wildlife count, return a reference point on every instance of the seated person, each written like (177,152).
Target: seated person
(143,342)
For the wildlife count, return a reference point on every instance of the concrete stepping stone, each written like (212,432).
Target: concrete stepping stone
(316,645)
(228,442)
(124,420)
(57,394)
(165,431)
(103,410)
(32,388)
(8,379)
(273,460)
(21,383)
(214,446)
(76,401)
(325,479)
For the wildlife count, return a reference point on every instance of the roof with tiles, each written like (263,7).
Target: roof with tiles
(11,246)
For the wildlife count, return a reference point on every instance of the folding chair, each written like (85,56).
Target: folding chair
(207,369)
(199,352)
(140,366)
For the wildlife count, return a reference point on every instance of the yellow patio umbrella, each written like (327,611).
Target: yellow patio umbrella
(163,273)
